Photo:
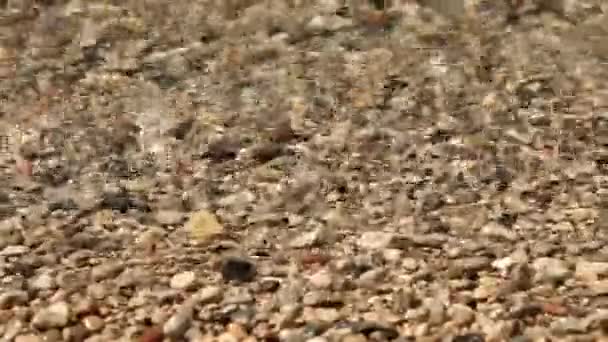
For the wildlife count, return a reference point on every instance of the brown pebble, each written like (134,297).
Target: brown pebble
(354,338)
(236,330)
(93,323)
(28,338)
(152,334)
(52,335)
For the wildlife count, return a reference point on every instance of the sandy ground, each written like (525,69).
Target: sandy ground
(303,171)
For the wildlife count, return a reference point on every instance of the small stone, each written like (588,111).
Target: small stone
(97,291)
(179,323)
(569,325)
(436,312)
(371,278)
(93,323)
(288,314)
(183,281)
(169,217)
(470,337)
(317,237)
(591,271)
(28,338)
(551,269)
(353,338)
(42,282)
(598,287)
(375,240)
(461,314)
(496,230)
(209,294)
(238,269)
(75,333)
(106,270)
(392,255)
(15,250)
(317,339)
(321,279)
(469,265)
(236,330)
(152,334)
(56,315)
(367,328)
(227,337)
(9,299)
(53,335)
(317,24)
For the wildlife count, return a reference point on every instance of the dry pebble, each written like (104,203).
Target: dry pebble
(183,281)
(56,315)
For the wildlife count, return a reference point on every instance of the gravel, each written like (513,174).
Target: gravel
(303,171)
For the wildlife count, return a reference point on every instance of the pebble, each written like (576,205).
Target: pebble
(461,314)
(319,236)
(321,279)
(13,298)
(209,294)
(436,311)
(375,240)
(56,315)
(179,323)
(152,334)
(238,269)
(93,323)
(371,278)
(52,335)
(14,250)
(590,271)
(598,287)
(497,230)
(470,337)
(551,269)
(392,254)
(106,270)
(169,217)
(28,338)
(353,338)
(75,333)
(183,281)
(97,291)
(469,265)
(317,339)
(236,330)
(42,282)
